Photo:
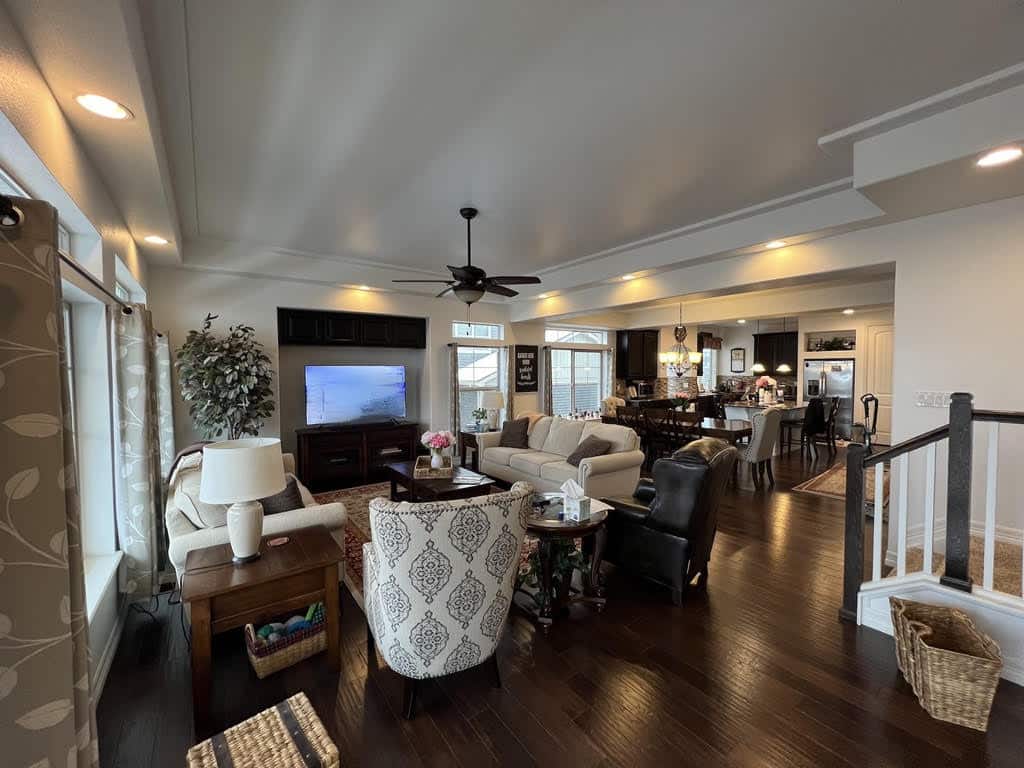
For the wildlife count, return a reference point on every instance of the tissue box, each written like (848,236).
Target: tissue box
(577,509)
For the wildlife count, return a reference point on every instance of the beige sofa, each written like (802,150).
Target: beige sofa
(551,440)
(185,536)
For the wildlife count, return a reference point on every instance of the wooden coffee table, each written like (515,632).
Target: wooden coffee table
(223,596)
(404,487)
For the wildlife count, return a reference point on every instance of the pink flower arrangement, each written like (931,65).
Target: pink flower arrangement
(765,381)
(437,441)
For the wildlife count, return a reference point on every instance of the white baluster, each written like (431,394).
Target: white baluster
(901,517)
(877,525)
(991,493)
(929,506)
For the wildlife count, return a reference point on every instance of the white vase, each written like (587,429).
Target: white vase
(436,458)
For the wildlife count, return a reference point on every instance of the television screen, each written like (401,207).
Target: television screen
(354,393)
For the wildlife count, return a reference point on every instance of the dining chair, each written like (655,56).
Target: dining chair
(763,438)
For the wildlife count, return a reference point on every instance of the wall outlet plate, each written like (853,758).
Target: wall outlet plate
(923,399)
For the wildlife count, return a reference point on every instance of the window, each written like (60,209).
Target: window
(577,381)
(575,336)
(68,369)
(489,331)
(709,377)
(121,291)
(479,372)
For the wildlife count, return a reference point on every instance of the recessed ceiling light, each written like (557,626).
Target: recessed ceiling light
(630,276)
(1000,156)
(741,321)
(104,107)
(155,240)
(847,311)
(542,295)
(773,244)
(363,287)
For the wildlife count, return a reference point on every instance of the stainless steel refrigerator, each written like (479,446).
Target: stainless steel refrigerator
(832,378)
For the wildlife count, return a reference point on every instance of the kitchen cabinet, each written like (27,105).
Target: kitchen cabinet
(774,349)
(637,355)
(335,329)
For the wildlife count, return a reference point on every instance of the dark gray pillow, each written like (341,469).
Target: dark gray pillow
(514,433)
(285,501)
(592,446)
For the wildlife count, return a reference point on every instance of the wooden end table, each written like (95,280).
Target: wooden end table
(467,442)
(463,484)
(550,527)
(224,596)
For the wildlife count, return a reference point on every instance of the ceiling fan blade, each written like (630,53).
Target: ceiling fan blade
(514,280)
(446,290)
(447,282)
(499,289)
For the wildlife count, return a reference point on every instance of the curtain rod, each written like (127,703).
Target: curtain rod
(8,211)
(96,283)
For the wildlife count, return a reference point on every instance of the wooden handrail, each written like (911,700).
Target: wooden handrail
(1003,417)
(907,446)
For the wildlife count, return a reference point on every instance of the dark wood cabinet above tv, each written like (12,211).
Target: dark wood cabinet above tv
(353,329)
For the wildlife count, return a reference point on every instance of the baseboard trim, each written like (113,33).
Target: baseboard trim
(1000,616)
(106,661)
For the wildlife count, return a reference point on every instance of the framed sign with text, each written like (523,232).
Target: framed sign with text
(526,367)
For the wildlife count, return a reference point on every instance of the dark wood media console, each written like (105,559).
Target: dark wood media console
(333,457)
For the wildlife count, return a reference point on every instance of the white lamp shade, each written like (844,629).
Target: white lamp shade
(241,470)
(758,368)
(492,401)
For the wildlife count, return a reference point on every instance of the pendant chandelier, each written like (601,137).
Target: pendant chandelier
(680,359)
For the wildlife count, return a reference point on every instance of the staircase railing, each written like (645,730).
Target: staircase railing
(959,433)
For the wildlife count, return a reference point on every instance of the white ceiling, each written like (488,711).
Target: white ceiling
(357,129)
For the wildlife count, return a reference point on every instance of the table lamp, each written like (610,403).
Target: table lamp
(237,472)
(493,402)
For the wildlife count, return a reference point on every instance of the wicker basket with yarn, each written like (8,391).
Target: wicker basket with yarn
(952,666)
(268,658)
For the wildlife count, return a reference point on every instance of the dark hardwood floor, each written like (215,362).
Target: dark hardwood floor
(756,671)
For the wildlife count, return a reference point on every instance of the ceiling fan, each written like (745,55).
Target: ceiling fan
(471,283)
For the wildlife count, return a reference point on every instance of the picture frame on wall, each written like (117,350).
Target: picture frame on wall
(737,360)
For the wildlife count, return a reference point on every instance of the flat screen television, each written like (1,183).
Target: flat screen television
(345,394)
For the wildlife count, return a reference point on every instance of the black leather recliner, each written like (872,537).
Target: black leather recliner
(666,530)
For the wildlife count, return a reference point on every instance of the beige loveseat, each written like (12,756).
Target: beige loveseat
(185,535)
(551,440)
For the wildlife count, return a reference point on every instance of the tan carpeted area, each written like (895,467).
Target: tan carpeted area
(1006,570)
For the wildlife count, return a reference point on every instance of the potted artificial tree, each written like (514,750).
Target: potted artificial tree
(225,380)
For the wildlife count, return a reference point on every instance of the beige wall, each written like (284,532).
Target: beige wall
(180,299)
(38,147)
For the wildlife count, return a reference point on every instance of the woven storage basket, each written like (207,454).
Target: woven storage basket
(951,665)
(291,649)
(288,735)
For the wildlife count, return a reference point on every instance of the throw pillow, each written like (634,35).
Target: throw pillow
(592,446)
(186,498)
(284,501)
(513,434)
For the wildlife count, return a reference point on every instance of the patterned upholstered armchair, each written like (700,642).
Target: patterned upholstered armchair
(438,580)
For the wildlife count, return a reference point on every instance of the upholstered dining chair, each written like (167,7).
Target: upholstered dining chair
(764,435)
(438,581)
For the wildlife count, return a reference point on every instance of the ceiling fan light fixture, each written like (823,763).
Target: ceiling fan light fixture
(468,293)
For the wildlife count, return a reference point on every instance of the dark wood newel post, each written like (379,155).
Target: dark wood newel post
(958,494)
(853,543)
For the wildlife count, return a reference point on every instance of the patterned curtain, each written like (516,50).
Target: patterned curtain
(548,398)
(45,713)
(508,376)
(608,363)
(453,387)
(139,487)
(165,425)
